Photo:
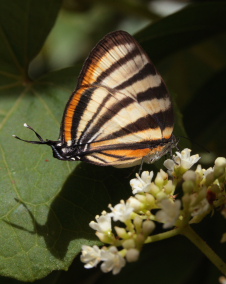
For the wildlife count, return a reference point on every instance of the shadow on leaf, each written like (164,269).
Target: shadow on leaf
(86,193)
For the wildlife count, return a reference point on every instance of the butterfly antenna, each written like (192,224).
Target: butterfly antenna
(42,141)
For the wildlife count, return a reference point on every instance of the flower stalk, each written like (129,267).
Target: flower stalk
(190,234)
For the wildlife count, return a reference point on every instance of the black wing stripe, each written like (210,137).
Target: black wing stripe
(122,61)
(129,146)
(165,119)
(136,126)
(107,116)
(147,70)
(84,133)
(103,160)
(86,97)
(158,92)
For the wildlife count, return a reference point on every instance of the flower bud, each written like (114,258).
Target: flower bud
(189,175)
(161,195)
(132,255)
(169,187)
(128,244)
(220,161)
(219,171)
(137,223)
(121,232)
(141,198)
(163,174)
(159,181)
(136,204)
(153,189)
(210,178)
(148,227)
(150,200)
(188,186)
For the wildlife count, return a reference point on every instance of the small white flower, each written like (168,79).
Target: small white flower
(141,183)
(169,213)
(169,164)
(187,161)
(103,224)
(202,207)
(91,256)
(182,159)
(208,171)
(112,260)
(121,211)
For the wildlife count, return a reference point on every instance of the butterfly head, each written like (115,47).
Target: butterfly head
(60,150)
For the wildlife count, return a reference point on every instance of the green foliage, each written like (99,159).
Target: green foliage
(46,204)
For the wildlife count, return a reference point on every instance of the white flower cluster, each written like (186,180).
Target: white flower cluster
(154,200)
(112,259)
(204,190)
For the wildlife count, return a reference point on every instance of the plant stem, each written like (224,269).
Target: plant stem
(189,233)
(162,236)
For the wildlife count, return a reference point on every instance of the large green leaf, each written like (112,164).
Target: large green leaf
(24,25)
(182,29)
(46,204)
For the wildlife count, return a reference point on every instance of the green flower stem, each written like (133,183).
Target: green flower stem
(163,236)
(189,233)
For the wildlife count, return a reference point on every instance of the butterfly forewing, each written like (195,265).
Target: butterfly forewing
(121,109)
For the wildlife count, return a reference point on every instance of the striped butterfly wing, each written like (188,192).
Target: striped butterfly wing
(120,111)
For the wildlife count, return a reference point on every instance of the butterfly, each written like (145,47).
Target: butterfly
(120,113)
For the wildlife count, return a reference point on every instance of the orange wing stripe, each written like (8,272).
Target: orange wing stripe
(139,153)
(68,120)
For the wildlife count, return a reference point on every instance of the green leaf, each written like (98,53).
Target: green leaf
(24,25)
(193,24)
